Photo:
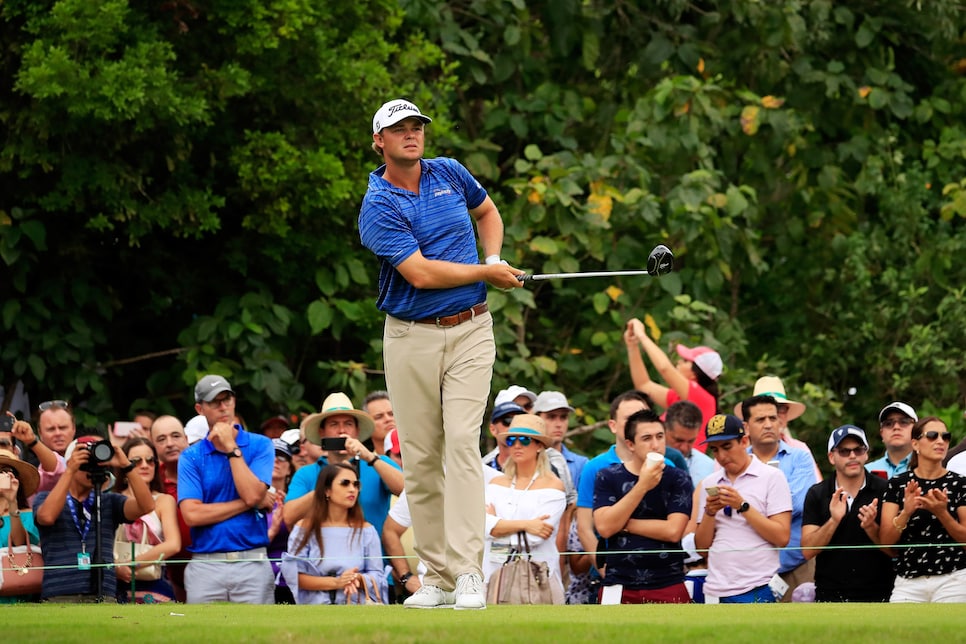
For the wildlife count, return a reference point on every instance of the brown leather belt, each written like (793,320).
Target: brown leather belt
(456,318)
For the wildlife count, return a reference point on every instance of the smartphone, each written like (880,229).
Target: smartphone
(712,490)
(6,423)
(335,444)
(122,428)
(5,482)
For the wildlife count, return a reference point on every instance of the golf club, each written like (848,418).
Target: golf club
(659,262)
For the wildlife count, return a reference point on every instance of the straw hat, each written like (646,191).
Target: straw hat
(527,425)
(334,405)
(27,474)
(773,386)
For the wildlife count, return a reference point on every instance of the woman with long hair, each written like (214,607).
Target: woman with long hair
(694,377)
(925,508)
(528,499)
(334,556)
(20,481)
(158,527)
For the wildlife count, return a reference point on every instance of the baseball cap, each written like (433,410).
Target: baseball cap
(391,443)
(506,409)
(281,447)
(292,436)
(724,427)
(839,434)
(706,358)
(394,111)
(550,400)
(512,392)
(196,429)
(209,387)
(900,407)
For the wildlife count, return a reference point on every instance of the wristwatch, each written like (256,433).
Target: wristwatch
(372,461)
(744,507)
(235,453)
(127,469)
(404,578)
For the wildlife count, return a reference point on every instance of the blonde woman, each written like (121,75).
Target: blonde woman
(528,498)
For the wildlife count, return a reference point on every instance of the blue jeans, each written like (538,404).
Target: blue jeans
(760,595)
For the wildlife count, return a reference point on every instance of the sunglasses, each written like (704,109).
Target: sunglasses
(55,404)
(845,452)
(901,422)
(5,443)
(513,440)
(137,460)
(347,482)
(946,436)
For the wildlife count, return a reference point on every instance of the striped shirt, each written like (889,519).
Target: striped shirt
(394,223)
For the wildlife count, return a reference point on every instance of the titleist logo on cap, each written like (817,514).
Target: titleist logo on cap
(393,109)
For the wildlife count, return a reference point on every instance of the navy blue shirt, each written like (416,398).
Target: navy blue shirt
(660,563)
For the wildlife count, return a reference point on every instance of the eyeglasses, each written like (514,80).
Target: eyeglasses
(137,460)
(347,482)
(55,404)
(845,452)
(901,422)
(218,402)
(946,436)
(513,440)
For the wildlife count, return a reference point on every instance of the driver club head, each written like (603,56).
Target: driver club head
(660,261)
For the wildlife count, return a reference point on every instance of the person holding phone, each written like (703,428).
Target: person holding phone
(340,430)
(18,481)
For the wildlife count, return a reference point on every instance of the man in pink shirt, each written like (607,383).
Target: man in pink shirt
(744,515)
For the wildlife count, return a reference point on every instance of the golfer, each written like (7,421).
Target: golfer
(417,217)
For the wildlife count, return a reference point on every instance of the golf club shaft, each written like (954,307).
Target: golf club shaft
(563,276)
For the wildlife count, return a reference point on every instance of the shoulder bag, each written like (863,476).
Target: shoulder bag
(123,554)
(520,580)
(22,568)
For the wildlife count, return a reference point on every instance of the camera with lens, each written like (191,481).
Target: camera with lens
(101,452)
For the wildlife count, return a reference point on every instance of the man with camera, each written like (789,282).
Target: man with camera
(66,518)
(339,429)
(224,483)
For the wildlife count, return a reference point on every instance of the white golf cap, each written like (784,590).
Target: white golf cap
(550,400)
(292,436)
(196,429)
(394,111)
(900,407)
(511,393)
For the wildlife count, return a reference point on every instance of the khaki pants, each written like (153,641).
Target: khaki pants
(798,576)
(439,382)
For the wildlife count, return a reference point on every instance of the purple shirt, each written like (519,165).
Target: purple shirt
(739,558)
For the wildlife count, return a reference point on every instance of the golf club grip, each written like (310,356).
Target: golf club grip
(526,277)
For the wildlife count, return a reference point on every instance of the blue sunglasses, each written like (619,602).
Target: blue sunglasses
(524,440)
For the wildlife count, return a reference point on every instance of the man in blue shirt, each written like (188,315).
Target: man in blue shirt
(223,492)
(895,427)
(380,476)
(417,217)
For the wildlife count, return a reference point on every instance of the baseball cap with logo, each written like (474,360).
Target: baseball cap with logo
(724,427)
(900,407)
(839,434)
(394,111)
(209,387)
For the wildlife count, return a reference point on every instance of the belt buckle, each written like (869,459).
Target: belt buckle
(438,325)
(232,556)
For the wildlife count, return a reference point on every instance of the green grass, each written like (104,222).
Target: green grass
(812,623)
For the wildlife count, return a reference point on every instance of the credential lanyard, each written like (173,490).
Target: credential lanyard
(87,505)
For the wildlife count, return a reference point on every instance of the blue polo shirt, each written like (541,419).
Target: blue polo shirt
(374,496)
(204,474)
(394,223)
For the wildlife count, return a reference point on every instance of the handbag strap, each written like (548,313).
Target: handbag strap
(29,561)
(523,544)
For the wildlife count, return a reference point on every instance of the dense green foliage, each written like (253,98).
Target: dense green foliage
(181,185)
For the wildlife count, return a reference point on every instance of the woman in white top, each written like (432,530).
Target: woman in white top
(161,526)
(528,498)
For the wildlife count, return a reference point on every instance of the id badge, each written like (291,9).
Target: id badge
(83,561)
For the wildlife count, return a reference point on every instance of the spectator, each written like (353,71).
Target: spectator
(64,517)
(161,524)
(381,476)
(553,408)
(643,508)
(391,447)
(378,405)
(762,424)
(278,531)
(527,498)
(145,418)
(621,409)
(516,394)
(273,427)
(788,410)
(694,378)
(843,512)
(170,440)
(55,424)
(223,483)
(895,427)
(50,464)
(16,518)
(927,505)
(333,548)
(744,514)
(683,422)
(196,429)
